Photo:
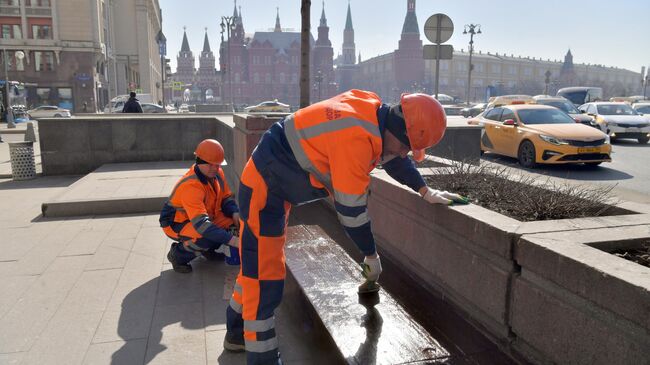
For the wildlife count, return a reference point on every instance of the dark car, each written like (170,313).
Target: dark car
(473,111)
(567,107)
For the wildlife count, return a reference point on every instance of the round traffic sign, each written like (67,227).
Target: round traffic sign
(438,28)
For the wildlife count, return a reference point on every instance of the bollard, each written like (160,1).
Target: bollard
(22,160)
(30,135)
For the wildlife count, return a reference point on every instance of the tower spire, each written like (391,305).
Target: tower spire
(323,19)
(348,20)
(277,21)
(411,20)
(185,46)
(206,42)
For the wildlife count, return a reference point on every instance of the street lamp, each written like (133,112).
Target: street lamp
(645,83)
(228,24)
(319,78)
(471,29)
(162,49)
(9,110)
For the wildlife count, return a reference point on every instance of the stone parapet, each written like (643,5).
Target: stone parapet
(80,145)
(505,274)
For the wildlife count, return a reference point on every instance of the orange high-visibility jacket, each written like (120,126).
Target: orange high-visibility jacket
(207,204)
(338,142)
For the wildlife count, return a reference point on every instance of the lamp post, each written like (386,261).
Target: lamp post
(162,49)
(319,78)
(9,110)
(472,29)
(645,83)
(228,24)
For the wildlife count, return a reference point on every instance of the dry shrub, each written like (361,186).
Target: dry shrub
(523,197)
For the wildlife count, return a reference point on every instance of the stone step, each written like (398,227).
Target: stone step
(364,334)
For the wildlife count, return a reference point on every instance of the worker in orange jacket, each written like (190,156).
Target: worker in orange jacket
(201,215)
(328,148)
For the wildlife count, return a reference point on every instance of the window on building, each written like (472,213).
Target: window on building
(15,63)
(43,96)
(294,78)
(512,70)
(41,32)
(496,68)
(256,60)
(460,82)
(9,3)
(11,31)
(65,97)
(444,65)
(282,78)
(267,60)
(477,82)
(256,78)
(478,67)
(528,71)
(43,61)
(236,77)
(444,81)
(268,78)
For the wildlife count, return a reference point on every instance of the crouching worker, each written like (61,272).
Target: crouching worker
(201,215)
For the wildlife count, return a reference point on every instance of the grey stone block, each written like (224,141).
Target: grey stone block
(563,333)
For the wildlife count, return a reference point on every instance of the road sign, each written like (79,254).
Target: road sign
(430,51)
(438,28)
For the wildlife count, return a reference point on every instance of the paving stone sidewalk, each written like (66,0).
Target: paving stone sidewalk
(99,290)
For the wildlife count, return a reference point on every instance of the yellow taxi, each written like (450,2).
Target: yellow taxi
(541,134)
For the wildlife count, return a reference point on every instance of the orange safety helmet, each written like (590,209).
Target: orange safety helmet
(210,150)
(425,121)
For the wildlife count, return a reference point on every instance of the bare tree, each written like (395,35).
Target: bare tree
(305,10)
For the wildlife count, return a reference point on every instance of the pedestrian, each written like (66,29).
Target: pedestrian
(327,148)
(201,215)
(85,106)
(132,105)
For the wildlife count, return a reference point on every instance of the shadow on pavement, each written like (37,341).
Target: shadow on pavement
(40,182)
(168,300)
(576,172)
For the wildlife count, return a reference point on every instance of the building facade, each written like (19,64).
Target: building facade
(405,70)
(256,67)
(78,54)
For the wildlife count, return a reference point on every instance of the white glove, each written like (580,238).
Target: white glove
(371,268)
(434,196)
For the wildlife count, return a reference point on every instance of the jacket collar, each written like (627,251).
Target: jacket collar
(202,178)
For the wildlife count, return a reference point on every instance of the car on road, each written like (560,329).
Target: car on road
(472,111)
(152,108)
(268,107)
(48,111)
(567,107)
(451,110)
(541,134)
(619,120)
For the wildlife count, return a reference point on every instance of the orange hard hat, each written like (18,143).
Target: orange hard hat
(425,121)
(210,150)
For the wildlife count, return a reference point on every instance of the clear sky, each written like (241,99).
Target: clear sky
(597,32)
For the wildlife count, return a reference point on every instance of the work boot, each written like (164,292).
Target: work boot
(233,343)
(211,255)
(180,268)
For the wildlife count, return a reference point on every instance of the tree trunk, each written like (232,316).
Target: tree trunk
(305,49)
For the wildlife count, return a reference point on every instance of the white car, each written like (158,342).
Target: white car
(619,120)
(268,107)
(48,111)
